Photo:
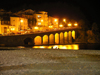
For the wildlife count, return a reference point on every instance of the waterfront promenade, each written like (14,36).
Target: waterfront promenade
(28,61)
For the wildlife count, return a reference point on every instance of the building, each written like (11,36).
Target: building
(13,24)
(53,21)
(41,19)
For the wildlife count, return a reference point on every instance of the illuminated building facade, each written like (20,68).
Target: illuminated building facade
(13,24)
(53,21)
(41,18)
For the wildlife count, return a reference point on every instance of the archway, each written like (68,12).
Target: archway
(66,37)
(28,41)
(51,39)
(56,38)
(73,34)
(37,40)
(61,38)
(45,39)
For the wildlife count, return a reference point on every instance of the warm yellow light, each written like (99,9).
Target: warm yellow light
(12,29)
(69,24)
(64,20)
(21,20)
(55,47)
(76,47)
(55,20)
(42,47)
(39,23)
(39,16)
(41,20)
(36,27)
(60,25)
(50,26)
(75,24)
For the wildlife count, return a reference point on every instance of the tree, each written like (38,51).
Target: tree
(95,28)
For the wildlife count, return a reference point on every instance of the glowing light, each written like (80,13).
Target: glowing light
(55,47)
(36,27)
(60,25)
(64,20)
(21,20)
(75,24)
(69,24)
(41,20)
(39,23)
(76,47)
(69,47)
(39,16)
(50,26)
(42,47)
(12,29)
(55,20)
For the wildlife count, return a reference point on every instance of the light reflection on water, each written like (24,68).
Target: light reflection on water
(72,46)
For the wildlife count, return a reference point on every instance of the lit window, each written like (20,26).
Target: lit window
(41,20)
(39,23)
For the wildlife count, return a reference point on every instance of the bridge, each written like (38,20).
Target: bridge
(52,37)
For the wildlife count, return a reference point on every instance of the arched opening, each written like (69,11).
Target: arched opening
(45,39)
(37,40)
(51,39)
(56,38)
(66,37)
(61,38)
(28,41)
(73,34)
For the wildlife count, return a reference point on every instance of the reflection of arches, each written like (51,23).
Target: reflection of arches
(51,39)
(45,39)
(66,37)
(61,38)
(56,38)
(73,34)
(28,41)
(37,40)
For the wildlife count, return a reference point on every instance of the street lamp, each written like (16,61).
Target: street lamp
(21,21)
(75,24)
(69,24)
(61,25)
(64,20)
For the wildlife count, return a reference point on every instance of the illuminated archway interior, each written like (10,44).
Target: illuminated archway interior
(51,39)
(61,38)
(73,34)
(66,37)
(45,39)
(37,40)
(56,38)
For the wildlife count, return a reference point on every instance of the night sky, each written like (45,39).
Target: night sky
(72,9)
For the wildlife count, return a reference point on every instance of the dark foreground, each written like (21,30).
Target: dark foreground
(30,61)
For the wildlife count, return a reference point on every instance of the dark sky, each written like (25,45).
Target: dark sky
(72,9)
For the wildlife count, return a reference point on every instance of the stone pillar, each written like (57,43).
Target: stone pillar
(54,38)
(48,39)
(59,38)
(68,36)
(41,40)
(71,37)
(63,38)
(76,34)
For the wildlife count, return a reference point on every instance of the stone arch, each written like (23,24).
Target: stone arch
(37,40)
(73,34)
(51,39)
(66,37)
(28,41)
(61,38)
(56,38)
(45,39)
